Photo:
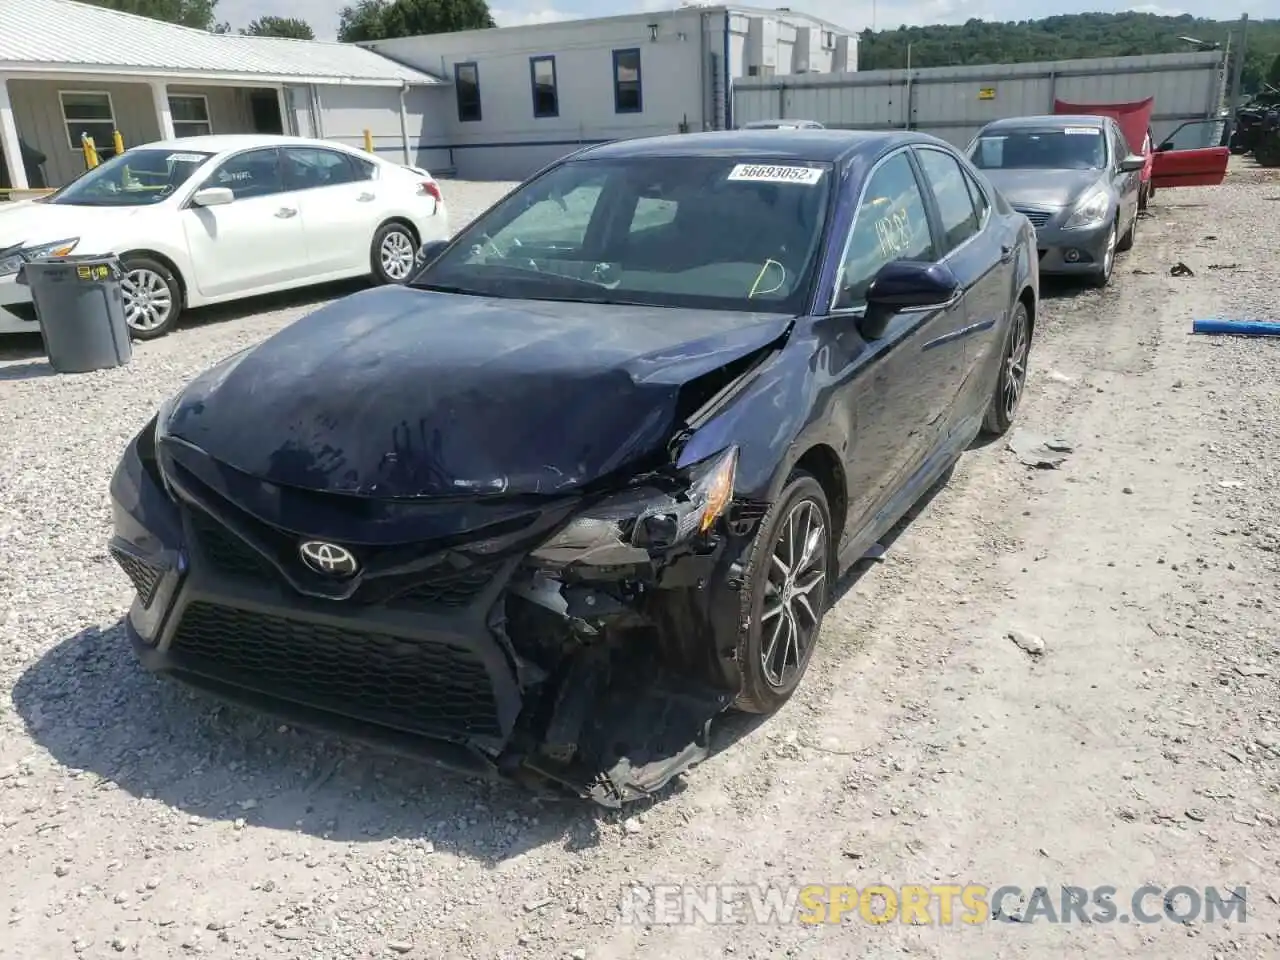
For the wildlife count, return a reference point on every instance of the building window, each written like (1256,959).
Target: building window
(91,114)
(546,96)
(190,114)
(626,81)
(466,82)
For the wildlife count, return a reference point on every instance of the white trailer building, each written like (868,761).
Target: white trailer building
(520,97)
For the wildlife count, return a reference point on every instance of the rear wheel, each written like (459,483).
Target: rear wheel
(1006,396)
(393,252)
(785,595)
(152,297)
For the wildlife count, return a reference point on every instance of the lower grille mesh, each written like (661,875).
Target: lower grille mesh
(411,685)
(144,576)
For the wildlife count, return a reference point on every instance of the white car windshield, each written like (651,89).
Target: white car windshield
(1069,148)
(133,179)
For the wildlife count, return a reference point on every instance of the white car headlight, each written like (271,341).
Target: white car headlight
(1090,211)
(11,260)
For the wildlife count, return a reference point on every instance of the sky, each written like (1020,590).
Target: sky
(854,14)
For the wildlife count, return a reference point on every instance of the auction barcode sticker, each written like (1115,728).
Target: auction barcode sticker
(1082,131)
(773,173)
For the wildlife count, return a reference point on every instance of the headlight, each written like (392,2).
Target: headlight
(1090,211)
(14,259)
(623,528)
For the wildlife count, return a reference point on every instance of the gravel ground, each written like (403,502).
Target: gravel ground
(1141,746)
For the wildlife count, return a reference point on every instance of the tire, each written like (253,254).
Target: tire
(1126,242)
(152,297)
(767,686)
(1103,276)
(1144,194)
(1011,381)
(392,253)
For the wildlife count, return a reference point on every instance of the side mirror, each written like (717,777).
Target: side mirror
(213,197)
(429,251)
(1132,163)
(1165,147)
(905,285)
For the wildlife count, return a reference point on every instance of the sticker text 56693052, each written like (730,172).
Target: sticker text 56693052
(775,173)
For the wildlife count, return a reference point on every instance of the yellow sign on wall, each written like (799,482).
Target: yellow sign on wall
(987,93)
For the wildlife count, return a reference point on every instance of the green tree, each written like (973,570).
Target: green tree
(290,27)
(1273,75)
(188,13)
(384,19)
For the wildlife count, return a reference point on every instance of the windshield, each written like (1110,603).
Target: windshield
(132,179)
(1070,148)
(705,232)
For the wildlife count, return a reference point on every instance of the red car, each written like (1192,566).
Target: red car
(1183,159)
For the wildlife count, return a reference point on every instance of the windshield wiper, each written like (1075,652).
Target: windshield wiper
(445,288)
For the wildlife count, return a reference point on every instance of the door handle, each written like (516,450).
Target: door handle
(1006,253)
(365,197)
(284,213)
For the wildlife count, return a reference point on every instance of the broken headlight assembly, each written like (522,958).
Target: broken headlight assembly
(629,527)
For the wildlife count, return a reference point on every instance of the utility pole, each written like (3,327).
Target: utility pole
(1237,67)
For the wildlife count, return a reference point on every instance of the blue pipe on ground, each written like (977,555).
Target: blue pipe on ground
(1239,328)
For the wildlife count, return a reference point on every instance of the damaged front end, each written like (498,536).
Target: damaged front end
(631,612)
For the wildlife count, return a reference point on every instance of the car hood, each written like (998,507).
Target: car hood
(396,392)
(1043,188)
(32,222)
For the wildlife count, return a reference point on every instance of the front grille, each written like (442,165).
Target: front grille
(144,576)
(1038,218)
(227,551)
(407,684)
(454,588)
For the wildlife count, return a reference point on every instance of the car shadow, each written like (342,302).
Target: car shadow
(21,346)
(29,370)
(95,709)
(270,302)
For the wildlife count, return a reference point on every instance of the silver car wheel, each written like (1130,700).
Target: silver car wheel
(794,593)
(148,301)
(397,255)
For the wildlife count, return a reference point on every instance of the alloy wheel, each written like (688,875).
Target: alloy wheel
(1015,364)
(397,255)
(148,302)
(1109,258)
(794,593)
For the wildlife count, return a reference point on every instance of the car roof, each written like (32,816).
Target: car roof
(221,143)
(1052,121)
(803,145)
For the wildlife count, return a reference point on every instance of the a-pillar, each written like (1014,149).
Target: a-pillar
(160,96)
(9,141)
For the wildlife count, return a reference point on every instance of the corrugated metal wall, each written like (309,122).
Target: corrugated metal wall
(955,102)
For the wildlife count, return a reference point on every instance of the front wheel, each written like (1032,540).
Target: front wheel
(1103,275)
(1006,396)
(785,595)
(393,253)
(152,297)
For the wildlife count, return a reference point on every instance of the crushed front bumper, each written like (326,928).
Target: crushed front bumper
(601,681)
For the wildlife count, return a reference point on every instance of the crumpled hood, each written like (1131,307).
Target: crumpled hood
(1043,188)
(396,392)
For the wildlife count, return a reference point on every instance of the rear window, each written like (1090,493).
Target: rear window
(708,232)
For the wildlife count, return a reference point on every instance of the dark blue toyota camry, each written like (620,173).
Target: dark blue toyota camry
(586,481)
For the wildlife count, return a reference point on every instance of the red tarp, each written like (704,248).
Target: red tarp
(1134,118)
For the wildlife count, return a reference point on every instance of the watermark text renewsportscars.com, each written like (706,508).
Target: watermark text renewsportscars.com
(926,904)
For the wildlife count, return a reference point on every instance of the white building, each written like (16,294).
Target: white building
(520,97)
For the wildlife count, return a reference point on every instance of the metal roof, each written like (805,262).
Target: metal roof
(62,36)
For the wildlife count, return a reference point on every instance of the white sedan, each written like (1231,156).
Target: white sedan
(204,220)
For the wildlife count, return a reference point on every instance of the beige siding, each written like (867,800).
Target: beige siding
(228,107)
(38,112)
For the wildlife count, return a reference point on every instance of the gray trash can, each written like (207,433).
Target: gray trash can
(80,307)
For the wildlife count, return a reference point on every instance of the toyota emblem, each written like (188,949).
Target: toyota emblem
(328,559)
